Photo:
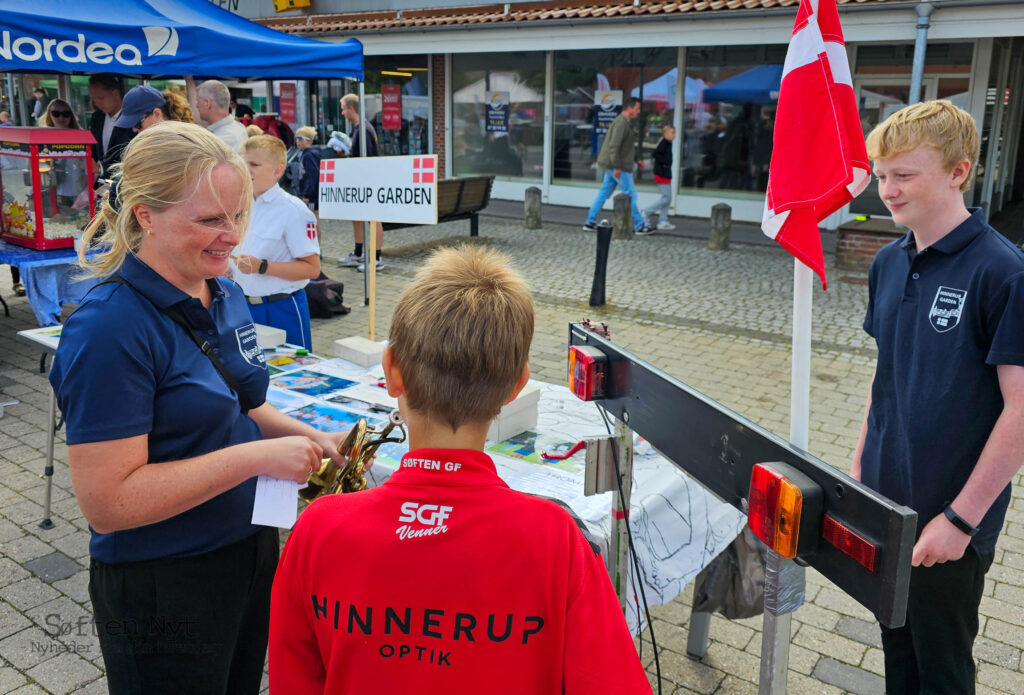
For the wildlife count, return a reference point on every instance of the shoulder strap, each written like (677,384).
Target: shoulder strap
(176,315)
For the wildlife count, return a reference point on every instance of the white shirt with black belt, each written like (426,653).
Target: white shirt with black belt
(281,228)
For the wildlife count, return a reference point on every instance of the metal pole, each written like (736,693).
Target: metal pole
(924,10)
(604,241)
(10,99)
(51,428)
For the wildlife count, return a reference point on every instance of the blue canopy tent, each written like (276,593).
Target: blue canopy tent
(161,37)
(758,85)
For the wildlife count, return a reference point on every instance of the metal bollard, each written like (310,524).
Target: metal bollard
(604,241)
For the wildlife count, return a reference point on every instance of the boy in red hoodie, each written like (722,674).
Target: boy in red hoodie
(444,580)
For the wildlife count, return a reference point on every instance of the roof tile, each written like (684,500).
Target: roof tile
(534,12)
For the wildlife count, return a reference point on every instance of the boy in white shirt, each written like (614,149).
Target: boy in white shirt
(280,252)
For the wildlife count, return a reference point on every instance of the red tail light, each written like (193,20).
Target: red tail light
(588,372)
(849,542)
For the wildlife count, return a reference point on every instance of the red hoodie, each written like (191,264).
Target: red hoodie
(444,580)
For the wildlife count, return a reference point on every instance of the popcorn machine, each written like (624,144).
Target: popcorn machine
(46,177)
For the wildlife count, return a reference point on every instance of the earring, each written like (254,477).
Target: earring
(149,231)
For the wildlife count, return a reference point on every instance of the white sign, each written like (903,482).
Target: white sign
(381,189)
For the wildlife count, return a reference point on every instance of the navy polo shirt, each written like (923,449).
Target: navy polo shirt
(124,368)
(943,319)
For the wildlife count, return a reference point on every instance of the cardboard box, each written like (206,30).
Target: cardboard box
(515,417)
(269,337)
(359,350)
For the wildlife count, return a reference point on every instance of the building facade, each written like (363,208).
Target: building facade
(516,89)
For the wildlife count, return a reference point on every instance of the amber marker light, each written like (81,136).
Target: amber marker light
(784,508)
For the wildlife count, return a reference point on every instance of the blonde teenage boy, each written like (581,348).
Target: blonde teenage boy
(444,580)
(943,428)
(280,252)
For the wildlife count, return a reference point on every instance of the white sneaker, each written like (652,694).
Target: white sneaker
(362,266)
(350,261)
(666,225)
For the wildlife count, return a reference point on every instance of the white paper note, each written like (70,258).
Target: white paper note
(277,502)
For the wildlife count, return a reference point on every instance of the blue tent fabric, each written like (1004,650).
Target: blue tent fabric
(161,37)
(759,85)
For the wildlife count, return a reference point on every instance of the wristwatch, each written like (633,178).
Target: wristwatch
(263,267)
(959,521)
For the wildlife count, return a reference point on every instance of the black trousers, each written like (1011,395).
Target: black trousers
(932,654)
(187,625)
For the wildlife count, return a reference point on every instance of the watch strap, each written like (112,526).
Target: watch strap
(959,521)
(263,266)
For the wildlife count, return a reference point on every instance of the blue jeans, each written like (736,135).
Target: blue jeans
(625,183)
(661,207)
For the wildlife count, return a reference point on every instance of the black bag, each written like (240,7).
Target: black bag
(324,296)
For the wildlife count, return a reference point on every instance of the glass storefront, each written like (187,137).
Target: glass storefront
(397,103)
(730,97)
(581,77)
(498,114)
(881,84)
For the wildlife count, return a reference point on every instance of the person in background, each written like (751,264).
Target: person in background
(516,600)
(106,92)
(942,431)
(39,103)
(241,111)
(211,103)
(280,252)
(363,135)
(165,441)
(145,106)
(662,157)
(306,168)
(5,119)
(618,157)
(58,114)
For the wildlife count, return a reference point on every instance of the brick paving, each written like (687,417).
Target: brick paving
(717,321)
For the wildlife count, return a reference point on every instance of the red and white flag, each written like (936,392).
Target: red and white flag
(819,162)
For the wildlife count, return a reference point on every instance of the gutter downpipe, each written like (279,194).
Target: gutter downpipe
(924,10)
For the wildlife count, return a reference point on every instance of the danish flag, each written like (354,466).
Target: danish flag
(311,230)
(326,172)
(423,169)
(819,162)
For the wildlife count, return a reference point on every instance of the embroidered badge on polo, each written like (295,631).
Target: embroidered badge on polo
(249,347)
(947,308)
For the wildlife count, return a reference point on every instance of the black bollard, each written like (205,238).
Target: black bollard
(604,241)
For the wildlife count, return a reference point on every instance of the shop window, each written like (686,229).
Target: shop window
(581,78)
(397,103)
(730,98)
(498,114)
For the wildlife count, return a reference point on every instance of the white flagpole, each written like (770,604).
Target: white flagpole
(800,379)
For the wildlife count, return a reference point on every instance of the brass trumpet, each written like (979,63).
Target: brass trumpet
(358,448)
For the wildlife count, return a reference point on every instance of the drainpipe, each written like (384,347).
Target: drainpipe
(924,11)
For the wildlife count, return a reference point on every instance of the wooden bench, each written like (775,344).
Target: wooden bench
(459,199)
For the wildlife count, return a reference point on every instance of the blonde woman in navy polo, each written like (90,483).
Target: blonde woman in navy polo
(165,439)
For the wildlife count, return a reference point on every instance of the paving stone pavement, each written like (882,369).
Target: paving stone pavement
(718,321)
